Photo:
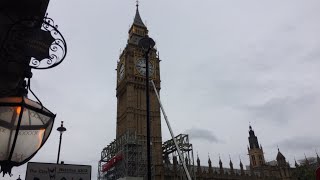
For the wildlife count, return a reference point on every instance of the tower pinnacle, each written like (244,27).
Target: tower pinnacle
(137,30)
(253,140)
(255,152)
(137,19)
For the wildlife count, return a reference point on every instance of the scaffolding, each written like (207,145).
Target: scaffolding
(170,156)
(123,158)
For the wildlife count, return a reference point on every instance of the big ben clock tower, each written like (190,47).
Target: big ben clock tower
(131,90)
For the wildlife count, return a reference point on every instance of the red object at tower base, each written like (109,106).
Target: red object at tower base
(318,173)
(112,162)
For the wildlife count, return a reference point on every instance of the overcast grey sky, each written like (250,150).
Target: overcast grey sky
(224,64)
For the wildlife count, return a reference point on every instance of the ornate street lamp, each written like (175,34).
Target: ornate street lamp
(26,124)
(147,45)
(61,130)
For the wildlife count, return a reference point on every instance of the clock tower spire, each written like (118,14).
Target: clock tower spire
(137,30)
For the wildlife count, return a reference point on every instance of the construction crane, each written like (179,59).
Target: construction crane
(171,133)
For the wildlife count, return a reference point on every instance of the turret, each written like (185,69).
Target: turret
(253,140)
(283,165)
(241,168)
(198,161)
(220,166)
(254,150)
(199,171)
(209,162)
(231,166)
(210,166)
(281,159)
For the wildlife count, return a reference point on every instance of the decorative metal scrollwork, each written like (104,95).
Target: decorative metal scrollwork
(57,50)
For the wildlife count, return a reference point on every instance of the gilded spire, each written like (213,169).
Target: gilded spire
(137,19)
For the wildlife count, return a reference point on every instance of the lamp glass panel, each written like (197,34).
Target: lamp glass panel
(6,114)
(34,130)
(35,104)
(7,141)
(47,132)
(28,142)
(8,118)
(4,139)
(32,118)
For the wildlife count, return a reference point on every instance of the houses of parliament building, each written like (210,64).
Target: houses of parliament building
(125,157)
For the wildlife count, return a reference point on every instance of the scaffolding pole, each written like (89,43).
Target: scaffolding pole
(171,132)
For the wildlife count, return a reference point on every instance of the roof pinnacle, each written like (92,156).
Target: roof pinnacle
(137,19)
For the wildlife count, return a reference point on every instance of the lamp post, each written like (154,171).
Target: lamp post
(26,124)
(147,45)
(61,129)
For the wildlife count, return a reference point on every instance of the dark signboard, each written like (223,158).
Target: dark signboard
(34,42)
(50,171)
(13,11)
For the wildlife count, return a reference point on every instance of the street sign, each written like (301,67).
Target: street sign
(49,171)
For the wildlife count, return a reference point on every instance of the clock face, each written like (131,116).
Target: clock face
(141,67)
(121,71)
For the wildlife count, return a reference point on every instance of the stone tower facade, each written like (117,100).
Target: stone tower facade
(131,92)
(255,151)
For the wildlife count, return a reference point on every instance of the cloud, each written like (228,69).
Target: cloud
(285,109)
(202,134)
(306,143)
